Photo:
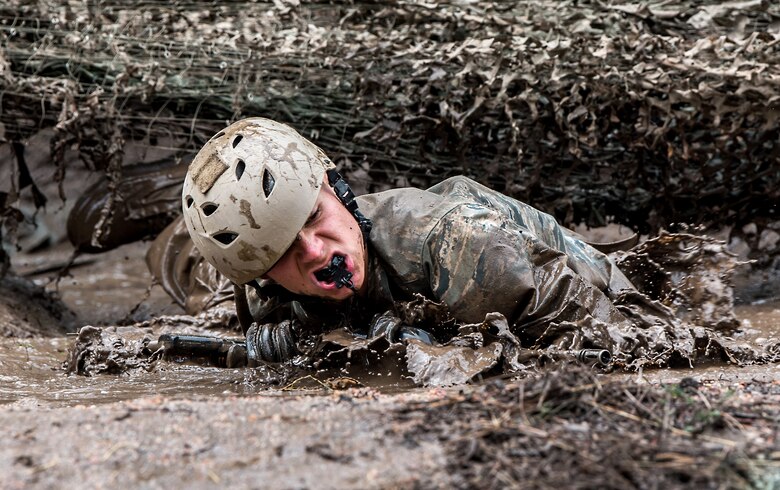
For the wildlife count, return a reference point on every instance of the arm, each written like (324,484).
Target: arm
(478,262)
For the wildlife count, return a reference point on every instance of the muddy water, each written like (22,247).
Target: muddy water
(760,325)
(32,374)
(100,289)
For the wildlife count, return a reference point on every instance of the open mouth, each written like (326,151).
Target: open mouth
(336,273)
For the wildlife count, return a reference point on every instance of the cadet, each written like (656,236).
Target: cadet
(268,210)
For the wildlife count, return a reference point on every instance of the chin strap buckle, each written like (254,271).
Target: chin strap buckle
(347,198)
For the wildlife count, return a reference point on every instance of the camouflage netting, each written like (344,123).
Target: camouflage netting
(647,114)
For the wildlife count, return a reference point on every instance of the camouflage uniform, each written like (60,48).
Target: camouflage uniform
(470,248)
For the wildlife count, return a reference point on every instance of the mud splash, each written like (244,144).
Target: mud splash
(683,312)
(32,370)
(691,274)
(98,351)
(32,375)
(682,315)
(117,350)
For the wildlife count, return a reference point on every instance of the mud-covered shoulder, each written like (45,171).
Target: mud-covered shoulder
(403,219)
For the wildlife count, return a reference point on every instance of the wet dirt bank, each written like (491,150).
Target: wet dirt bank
(204,427)
(567,428)
(345,441)
(187,425)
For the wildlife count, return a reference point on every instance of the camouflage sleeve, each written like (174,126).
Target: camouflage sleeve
(596,267)
(478,261)
(585,260)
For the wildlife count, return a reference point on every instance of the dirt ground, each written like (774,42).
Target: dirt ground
(197,426)
(278,441)
(472,437)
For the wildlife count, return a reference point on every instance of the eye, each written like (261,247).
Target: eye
(268,183)
(226,237)
(313,216)
(189,201)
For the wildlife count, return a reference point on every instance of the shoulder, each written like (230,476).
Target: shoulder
(430,204)
(404,199)
(403,219)
(408,207)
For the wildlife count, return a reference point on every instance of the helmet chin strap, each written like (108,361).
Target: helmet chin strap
(347,198)
(337,269)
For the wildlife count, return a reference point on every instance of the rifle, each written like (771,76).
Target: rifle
(590,357)
(232,353)
(223,352)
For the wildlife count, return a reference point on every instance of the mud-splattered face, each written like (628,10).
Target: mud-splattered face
(331,230)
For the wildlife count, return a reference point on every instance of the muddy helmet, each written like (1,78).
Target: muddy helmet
(248,193)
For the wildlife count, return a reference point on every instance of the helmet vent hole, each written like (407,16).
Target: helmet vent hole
(209,208)
(189,201)
(268,183)
(218,135)
(226,237)
(240,166)
(237,140)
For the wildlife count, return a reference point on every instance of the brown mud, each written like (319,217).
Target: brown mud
(183,423)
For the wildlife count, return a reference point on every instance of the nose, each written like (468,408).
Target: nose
(309,247)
